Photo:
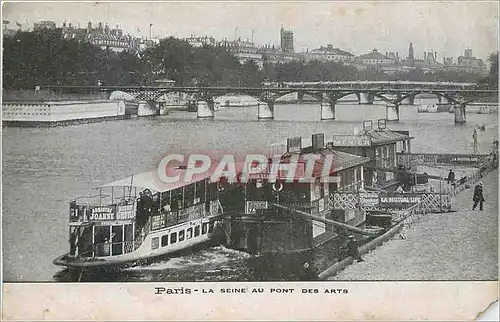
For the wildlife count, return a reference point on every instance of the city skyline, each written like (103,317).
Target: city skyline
(426,25)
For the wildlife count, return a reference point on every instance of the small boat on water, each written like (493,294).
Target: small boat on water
(139,218)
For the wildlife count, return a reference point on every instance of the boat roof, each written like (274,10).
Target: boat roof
(151,180)
(384,136)
(340,160)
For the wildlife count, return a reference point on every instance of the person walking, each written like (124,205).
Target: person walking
(451,176)
(352,249)
(478,196)
(474,137)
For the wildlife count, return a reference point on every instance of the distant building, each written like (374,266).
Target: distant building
(447,61)
(329,53)
(273,55)
(468,63)
(201,41)
(286,37)
(102,36)
(374,59)
(44,25)
(244,50)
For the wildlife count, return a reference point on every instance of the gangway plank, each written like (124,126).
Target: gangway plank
(326,221)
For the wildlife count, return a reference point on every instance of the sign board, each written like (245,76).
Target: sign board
(318,141)
(399,200)
(367,125)
(102,213)
(382,124)
(369,200)
(351,140)
(252,206)
(125,212)
(294,144)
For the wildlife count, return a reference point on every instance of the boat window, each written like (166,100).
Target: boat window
(189,195)
(204,228)
(212,191)
(181,235)
(102,234)
(197,231)
(211,227)
(164,240)
(189,233)
(200,191)
(155,243)
(177,202)
(173,238)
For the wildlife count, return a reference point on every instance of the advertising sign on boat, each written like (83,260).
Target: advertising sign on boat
(252,206)
(125,212)
(369,200)
(351,140)
(101,213)
(399,201)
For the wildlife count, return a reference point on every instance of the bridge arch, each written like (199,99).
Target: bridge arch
(451,99)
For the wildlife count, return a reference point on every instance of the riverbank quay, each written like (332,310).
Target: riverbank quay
(459,245)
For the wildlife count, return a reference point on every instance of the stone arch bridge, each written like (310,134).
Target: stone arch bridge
(327,94)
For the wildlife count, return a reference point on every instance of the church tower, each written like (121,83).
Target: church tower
(411,56)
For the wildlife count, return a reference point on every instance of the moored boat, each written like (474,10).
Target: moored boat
(139,218)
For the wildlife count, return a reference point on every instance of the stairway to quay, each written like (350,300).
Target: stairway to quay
(458,245)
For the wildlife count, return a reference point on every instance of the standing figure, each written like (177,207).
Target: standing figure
(474,137)
(352,249)
(478,196)
(451,176)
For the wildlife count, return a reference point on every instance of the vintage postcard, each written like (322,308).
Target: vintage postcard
(249,160)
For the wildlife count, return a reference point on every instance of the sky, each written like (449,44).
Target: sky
(359,27)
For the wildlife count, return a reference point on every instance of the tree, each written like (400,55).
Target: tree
(492,79)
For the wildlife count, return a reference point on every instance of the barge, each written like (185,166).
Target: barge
(53,113)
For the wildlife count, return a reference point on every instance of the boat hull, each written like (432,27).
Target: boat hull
(151,248)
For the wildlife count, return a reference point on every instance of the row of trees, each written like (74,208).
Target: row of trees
(43,58)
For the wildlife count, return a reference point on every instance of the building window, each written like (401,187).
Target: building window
(181,235)
(211,227)
(164,240)
(189,233)
(196,231)
(204,228)
(173,238)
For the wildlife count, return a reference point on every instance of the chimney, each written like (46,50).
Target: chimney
(150,31)
(318,141)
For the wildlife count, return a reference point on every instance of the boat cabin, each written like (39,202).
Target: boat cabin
(380,145)
(141,214)
(259,226)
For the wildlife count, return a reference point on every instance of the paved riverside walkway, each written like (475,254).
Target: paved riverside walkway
(459,245)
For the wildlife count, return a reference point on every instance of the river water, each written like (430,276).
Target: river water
(44,168)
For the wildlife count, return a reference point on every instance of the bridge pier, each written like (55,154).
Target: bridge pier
(300,97)
(265,111)
(327,110)
(145,108)
(460,115)
(205,109)
(365,98)
(392,112)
